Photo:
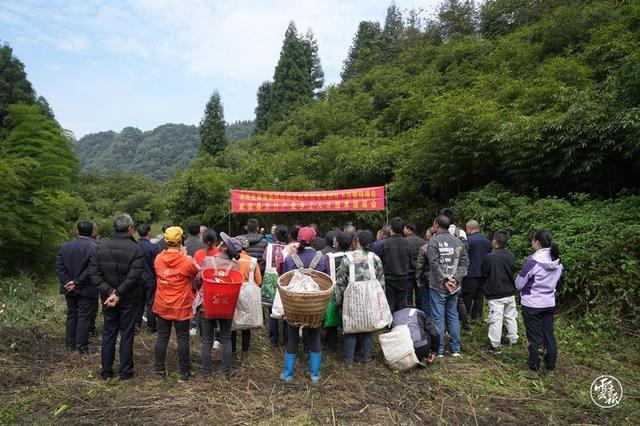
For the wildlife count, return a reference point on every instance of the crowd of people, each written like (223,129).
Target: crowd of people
(435,286)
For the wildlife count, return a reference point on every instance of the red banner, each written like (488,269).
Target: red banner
(316,201)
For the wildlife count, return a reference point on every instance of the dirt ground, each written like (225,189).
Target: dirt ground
(42,383)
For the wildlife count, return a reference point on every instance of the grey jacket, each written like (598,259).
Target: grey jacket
(443,250)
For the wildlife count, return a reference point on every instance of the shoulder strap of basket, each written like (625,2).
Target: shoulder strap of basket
(297,261)
(372,267)
(352,268)
(269,259)
(316,260)
(252,270)
(332,263)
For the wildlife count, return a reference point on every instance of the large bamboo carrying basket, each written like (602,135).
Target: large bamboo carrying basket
(306,309)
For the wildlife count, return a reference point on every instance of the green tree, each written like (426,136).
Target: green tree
(265,95)
(297,76)
(392,34)
(213,137)
(364,52)
(43,163)
(457,17)
(14,86)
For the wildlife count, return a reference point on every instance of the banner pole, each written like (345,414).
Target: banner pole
(229,230)
(386,203)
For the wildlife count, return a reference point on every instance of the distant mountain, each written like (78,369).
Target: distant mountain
(157,153)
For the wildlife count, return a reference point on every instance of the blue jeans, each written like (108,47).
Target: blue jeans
(446,304)
(426,300)
(350,342)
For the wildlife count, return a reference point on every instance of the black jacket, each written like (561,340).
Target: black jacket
(416,242)
(397,257)
(478,247)
(118,265)
(499,268)
(257,244)
(423,332)
(150,251)
(72,264)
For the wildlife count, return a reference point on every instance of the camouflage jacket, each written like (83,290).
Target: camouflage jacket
(361,272)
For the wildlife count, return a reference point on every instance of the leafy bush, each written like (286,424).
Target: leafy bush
(599,242)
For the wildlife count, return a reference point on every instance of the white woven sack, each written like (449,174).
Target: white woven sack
(397,348)
(248,313)
(365,307)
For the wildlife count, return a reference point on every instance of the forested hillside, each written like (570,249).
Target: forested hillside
(157,153)
(539,97)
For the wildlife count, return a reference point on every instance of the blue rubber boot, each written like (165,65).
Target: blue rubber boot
(289,366)
(315,362)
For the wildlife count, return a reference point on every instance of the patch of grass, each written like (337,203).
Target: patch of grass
(42,383)
(26,301)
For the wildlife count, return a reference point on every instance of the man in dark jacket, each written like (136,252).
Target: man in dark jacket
(422,273)
(193,243)
(498,269)
(115,269)
(72,266)
(425,336)
(397,258)
(478,247)
(148,278)
(257,242)
(416,242)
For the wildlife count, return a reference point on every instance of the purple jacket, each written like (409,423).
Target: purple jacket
(538,279)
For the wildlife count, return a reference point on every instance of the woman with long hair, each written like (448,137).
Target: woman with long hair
(537,282)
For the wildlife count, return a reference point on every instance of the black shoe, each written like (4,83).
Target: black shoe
(493,350)
(126,376)
(71,348)
(84,350)
(106,377)
(184,378)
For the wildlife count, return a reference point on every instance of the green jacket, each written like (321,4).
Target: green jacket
(361,272)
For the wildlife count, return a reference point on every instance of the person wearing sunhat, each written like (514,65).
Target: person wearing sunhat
(173,304)
(251,272)
(309,258)
(230,249)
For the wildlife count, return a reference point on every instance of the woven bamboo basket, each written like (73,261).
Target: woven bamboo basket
(306,309)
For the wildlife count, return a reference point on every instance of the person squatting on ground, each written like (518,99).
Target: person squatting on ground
(537,282)
(362,271)
(424,334)
(251,273)
(72,267)
(115,269)
(148,278)
(396,254)
(173,304)
(230,249)
(308,258)
(498,269)
(478,246)
(448,263)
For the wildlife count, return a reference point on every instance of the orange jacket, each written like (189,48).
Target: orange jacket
(174,294)
(245,267)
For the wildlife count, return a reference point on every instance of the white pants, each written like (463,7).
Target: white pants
(499,310)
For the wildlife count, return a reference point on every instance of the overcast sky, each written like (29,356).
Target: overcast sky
(105,65)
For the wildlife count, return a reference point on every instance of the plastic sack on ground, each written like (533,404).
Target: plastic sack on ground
(248,313)
(397,348)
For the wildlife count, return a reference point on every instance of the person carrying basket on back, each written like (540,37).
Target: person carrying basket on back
(305,257)
(224,260)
